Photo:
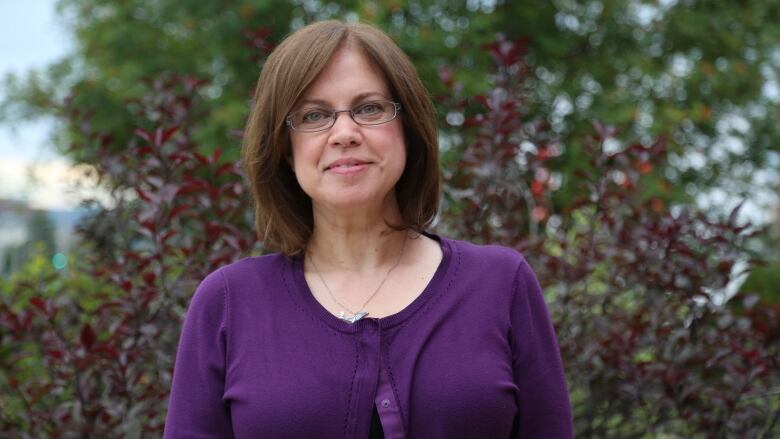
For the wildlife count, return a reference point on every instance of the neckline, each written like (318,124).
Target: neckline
(304,293)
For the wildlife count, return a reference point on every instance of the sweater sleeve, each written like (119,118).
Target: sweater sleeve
(543,401)
(196,408)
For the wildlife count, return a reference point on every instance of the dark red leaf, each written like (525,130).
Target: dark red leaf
(143,134)
(167,235)
(106,139)
(161,135)
(144,150)
(87,336)
(201,158)
(39,303)
(177,210)
(227,167)
(149,278)
(143,194)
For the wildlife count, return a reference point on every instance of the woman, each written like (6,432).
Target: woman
(363,324)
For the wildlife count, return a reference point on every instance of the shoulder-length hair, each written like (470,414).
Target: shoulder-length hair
(283,211)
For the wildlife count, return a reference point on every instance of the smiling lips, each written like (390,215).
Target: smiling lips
(347,166)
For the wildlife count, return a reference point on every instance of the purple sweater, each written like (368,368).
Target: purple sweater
(474,356)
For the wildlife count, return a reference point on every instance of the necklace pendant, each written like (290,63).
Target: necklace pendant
(354,317)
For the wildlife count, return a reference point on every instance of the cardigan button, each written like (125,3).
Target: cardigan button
(385,403)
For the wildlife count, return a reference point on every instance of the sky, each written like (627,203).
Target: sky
(31,37)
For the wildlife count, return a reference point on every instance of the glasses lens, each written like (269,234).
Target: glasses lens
(372,113)
(311,119)
(368,113)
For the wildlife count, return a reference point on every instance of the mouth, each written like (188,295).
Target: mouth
(343,165)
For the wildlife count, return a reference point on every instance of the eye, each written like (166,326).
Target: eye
(369,109)
(314,116)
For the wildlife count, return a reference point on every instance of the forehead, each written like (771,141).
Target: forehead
(348,74)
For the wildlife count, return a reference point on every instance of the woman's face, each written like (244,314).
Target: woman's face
(348,165)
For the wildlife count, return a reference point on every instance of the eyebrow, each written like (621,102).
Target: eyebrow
(357,98)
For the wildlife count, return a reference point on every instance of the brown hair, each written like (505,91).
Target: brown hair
(283,211)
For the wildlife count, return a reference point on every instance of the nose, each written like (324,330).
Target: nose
(345,131)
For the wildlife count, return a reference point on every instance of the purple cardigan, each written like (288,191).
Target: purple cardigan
(474,356)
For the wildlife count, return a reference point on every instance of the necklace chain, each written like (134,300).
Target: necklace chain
(355,316)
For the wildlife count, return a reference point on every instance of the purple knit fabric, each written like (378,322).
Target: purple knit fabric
(388,408)
(474,356)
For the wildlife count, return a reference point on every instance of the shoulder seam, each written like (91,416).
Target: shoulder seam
(513,346)
(225,315)
(516,296)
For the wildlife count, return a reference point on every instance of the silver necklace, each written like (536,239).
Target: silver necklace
(355,316)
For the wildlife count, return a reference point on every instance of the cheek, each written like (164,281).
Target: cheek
(297,161)
(299,155)
(401,144)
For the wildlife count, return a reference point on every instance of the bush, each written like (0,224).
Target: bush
(635,285)
(89,353)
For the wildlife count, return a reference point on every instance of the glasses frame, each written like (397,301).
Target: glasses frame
(335,116)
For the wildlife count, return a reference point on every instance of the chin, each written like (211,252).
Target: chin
(352,200)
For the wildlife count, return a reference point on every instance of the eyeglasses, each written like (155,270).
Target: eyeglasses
(320,119)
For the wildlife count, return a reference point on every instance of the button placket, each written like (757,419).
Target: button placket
(386,404)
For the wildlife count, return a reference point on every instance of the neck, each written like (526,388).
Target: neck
(357,241)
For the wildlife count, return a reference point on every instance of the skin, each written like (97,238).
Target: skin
(349,199)
(351,243)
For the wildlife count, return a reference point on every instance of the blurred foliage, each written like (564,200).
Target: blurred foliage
(89,350)
(765,280)
(40,240)
(156,91)
(692,71)
(635,285)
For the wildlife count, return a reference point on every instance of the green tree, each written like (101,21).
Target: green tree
(692,70)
